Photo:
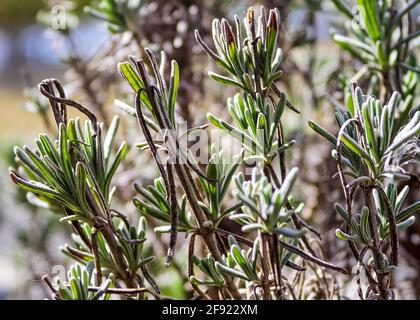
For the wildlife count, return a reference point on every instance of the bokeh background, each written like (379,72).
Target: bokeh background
(84,57)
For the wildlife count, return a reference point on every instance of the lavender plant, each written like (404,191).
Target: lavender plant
(157,98)
(74,174)
(363,147)
(254,64)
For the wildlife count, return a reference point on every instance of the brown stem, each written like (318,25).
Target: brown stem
(250,244)
(126,291)
(282,159)
(149,279)
(257,76)
(50,286)
(208,236)
(96,257)
(277,267)
(265,265)
(102,224)
(308,257)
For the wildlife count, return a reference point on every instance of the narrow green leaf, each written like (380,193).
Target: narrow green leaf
(379,52)
(342,212)
(359,180)
(43,190)
(410,130)
(400,199)
(406,223)
(109,139)
(225,80)
(252,227)
(385,129)
(128,73)
(290,232)
(232,272)
(228,177)
(122,151)
(369,131)
(65,155)
(288,183)
(150,210)
(277,116)
(22,156)
(321,131)
(370,16)
(344,8)
(407,212)
(364,226)
(354,146)
(405,9)
(344,236)
(173,90)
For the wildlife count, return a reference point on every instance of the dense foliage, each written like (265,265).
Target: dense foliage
(245,208)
